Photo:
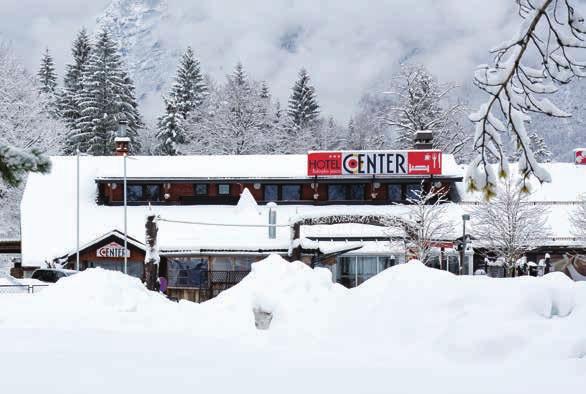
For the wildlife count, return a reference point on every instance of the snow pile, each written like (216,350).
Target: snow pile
(294,294)
(407,311)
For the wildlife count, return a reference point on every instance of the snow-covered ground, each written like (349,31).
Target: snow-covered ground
(408,330)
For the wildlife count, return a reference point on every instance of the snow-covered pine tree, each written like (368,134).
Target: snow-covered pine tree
(303,107)
(239,76)
(538,146)
(72,82)
(170,129)
(264,90)
(106,98)
(46,74)
(420,104)
(189,89)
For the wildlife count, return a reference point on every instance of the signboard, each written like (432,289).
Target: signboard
(113,250)
(413,162)
(580,156)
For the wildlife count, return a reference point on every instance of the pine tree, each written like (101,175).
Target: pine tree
(170,129)
(72,82)
(106,98)
(46,74)
(303,106)
(264,90)
(239,76)
(189,89)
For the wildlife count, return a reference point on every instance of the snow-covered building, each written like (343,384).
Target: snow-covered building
(214,219)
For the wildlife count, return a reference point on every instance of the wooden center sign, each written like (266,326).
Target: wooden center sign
(113,250)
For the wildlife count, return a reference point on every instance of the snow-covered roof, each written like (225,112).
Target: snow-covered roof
(48,209)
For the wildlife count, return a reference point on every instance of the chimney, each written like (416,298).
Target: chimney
(121,141)
(423,139)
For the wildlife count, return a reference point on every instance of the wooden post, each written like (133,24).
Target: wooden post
(151,260)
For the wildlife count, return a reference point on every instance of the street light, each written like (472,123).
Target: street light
(465,217)
(122,137)
(77,155)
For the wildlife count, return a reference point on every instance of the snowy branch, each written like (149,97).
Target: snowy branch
(552,31)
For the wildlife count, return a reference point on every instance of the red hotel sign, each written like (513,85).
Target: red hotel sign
(414,162)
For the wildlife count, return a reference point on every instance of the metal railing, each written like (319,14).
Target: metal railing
(21,289)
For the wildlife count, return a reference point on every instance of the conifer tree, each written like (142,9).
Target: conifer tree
(189,89)
(106,98)
(46,74)
(239,76)
(264,90)
(303,106)
(72,82)
(170,129)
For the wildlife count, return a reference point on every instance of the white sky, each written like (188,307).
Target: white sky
(346,45)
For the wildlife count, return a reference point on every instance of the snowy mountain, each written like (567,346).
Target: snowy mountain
(347,49)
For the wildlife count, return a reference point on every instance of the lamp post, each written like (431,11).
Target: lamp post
(465,217)
(122,149)
(77,213)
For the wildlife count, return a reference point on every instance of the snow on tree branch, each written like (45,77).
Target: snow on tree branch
(15,163)
(552,31)
(578,218)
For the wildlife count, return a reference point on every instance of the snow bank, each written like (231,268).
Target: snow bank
(406,311)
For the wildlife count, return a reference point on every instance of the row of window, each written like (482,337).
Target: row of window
(285,192)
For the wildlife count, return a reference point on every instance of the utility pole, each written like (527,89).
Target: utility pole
(465,217)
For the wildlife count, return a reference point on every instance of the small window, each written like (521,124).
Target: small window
(412,190)
(357,192)
(336,192)
(201,189)
(152,192)
(223,189)
(134,193)
(291,192)
(271,192)
(394,192)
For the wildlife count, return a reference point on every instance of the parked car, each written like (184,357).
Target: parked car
(51,275)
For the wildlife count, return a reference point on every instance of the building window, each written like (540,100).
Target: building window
(224,189)
(201,189)
(152,192)
(394,193)
(291,192)
(351,271)
(134,193)
(336,192)
(271,192)
(187,272)
(356,192)
(412,190)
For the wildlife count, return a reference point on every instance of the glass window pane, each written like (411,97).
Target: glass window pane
(271,193)
(394,192)
(201,189)
(222,263)
(357,192)
(243,263)
(187,272)
(412,189)
(134,193)
(152,192)
(336,192)
(224,189)
(291,192)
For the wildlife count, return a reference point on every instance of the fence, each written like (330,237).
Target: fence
(21,289)
(214,282)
